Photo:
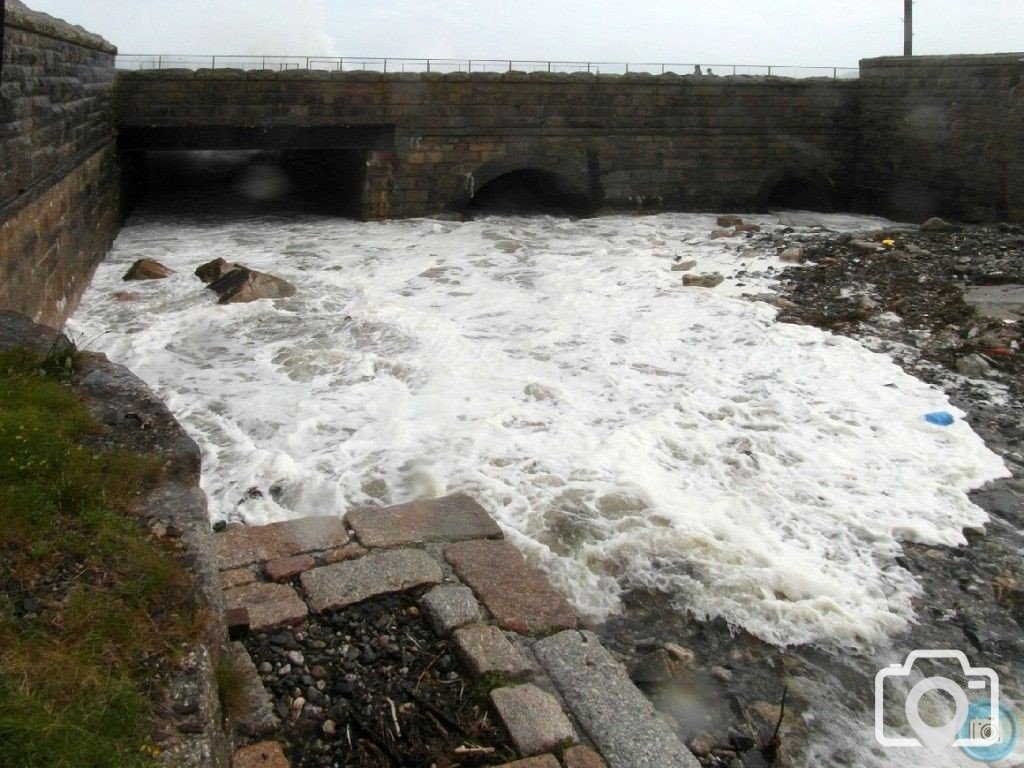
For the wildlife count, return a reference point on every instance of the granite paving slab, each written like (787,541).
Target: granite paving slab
(451,518)
(449,607)
(352,581)
(617,717)
(246,545)
(519,596)
(534,720)
(269,605)
(484,649)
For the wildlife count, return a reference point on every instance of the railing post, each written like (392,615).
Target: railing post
(835,73)
(469,66)
(307,62)
(769,70)
(159,62)
(663,69)
(510,66)
(549,67)
(627,67)
(213,62)
(588,67)
(734,70)
(428,65)
(385,66)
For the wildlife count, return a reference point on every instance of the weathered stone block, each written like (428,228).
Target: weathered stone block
(244,546)
(518,596)
(619,719)
(335,586)
(266,754)
(285,568)
(534,720)
(449,607)
(582,757)
(451,518)
(269,605)
(484,649)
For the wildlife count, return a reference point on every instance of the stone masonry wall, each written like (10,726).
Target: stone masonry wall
(628,142)
(942,135)
(59,184)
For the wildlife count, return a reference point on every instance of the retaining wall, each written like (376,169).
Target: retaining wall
(59,177)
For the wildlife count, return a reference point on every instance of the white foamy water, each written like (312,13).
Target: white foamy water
(624,429)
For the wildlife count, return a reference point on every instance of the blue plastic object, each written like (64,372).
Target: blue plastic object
(942,418)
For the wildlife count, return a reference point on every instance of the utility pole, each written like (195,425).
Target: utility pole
(908,27)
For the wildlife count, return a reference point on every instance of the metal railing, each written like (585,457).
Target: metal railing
(134,61)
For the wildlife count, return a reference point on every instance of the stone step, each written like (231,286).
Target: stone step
(518,596)
(237,547)
(534,719)
(617,717)
(485,649)
(395,570)
(451,518)
(269,605)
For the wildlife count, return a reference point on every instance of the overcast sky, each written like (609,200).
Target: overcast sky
(800,32)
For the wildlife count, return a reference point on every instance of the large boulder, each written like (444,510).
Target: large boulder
(215,270)
(242,285)
(147,269)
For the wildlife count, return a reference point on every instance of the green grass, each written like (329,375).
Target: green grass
(76,680)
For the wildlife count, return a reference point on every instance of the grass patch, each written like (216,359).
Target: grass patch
(91,606)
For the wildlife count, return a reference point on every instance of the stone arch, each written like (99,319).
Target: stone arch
(801,188)
(524,186)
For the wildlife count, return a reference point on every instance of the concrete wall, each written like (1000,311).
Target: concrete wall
(59,181)
(629,142)
(942,135)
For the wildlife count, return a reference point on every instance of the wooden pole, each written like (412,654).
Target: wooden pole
(908,27)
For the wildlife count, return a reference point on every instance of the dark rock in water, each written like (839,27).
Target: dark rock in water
(147,269)
(653,669)
(935,224)
(243,285)
(728,220)
(215,270)
(703,281)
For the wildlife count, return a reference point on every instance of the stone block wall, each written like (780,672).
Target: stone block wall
(942,135)
(628,142)
(59,182)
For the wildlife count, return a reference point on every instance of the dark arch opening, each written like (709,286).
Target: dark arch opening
(229,183)
(529,191)
(796,192)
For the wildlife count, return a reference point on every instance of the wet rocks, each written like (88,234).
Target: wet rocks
(684,266)
(243,285)
(703,281)
(974,366)
(718,234)
(729,220)
(214,270)
(794,255)
(655,668)
(147,269)
(935,224)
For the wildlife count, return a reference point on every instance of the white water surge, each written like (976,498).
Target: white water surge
(624,429)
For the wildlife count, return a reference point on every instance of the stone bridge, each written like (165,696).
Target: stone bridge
(422,144)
